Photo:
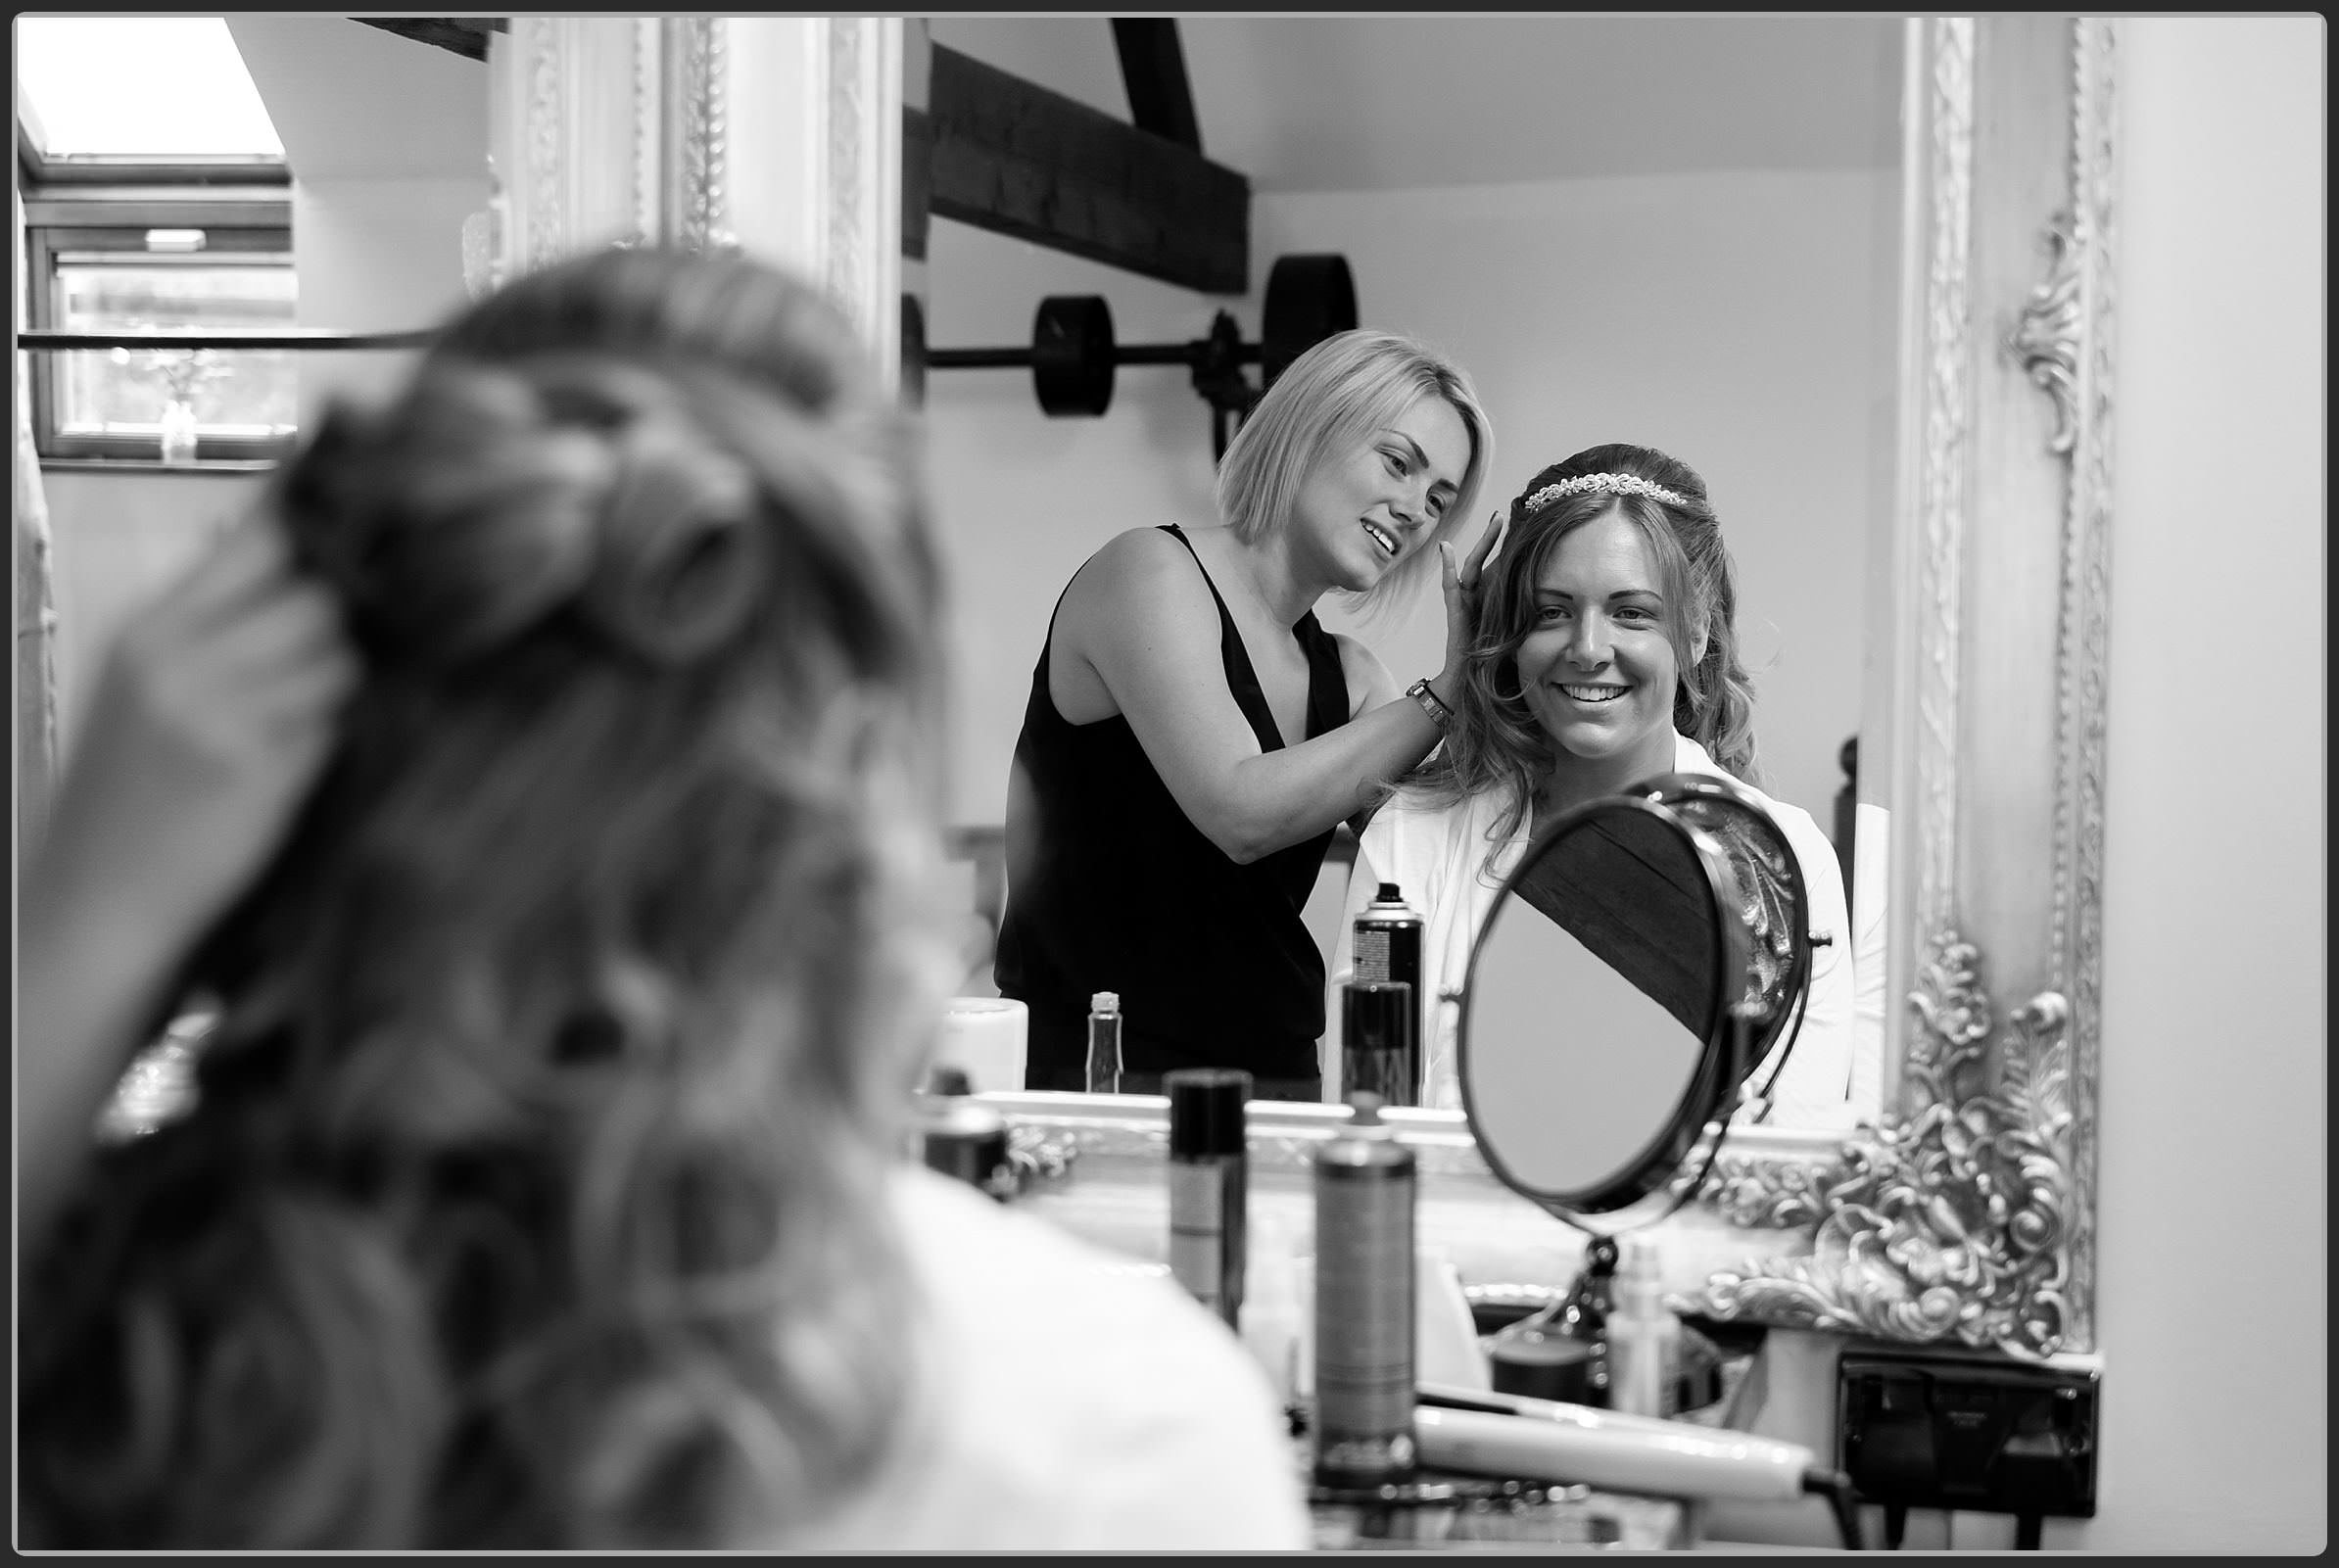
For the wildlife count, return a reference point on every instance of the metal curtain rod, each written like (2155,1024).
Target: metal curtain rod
(47,338)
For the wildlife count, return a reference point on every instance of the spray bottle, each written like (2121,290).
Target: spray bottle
(1363,1309)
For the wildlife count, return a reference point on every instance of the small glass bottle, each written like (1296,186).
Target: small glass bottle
(1643,1337)
(1104,1043)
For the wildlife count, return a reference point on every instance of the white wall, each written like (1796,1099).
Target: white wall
(387,139)
(2213,1216)
(114,540)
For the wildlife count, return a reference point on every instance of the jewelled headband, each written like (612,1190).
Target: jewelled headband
(1613,484)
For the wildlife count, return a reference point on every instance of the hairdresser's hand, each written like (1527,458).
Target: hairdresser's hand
(1461,578)
(213,714)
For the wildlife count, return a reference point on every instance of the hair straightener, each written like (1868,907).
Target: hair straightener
(1480,1433)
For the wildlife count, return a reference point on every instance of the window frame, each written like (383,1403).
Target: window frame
(237,221)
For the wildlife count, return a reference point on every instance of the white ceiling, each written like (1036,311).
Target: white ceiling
(357,101)
(1388,102)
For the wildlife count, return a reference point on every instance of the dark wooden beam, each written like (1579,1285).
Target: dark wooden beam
(1016,159)
(465,35)
(1152,68)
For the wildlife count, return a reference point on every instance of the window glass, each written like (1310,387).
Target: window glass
(242,394)
(140,87)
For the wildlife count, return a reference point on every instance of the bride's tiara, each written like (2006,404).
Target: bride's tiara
(1614,484)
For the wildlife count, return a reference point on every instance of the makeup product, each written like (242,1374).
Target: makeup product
(1644,1337)
(984,1036)
(960,1136)
(1363,1309)
(1388,947)
(1104,1043)
(1380,1049)
(1209,1184)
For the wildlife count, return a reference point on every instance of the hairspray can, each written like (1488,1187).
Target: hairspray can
(1365,1181)
(1380,1051)
(960,1136)
(1209,1184)
(1104,1043)
(1388,946)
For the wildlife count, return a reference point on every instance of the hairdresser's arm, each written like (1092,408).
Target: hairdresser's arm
(212,717)
(1150,630)
(1373,687)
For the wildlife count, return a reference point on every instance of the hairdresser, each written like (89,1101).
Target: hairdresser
(1194,736)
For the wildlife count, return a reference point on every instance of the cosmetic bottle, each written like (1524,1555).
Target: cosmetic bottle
(1388,946)
(960,1136)
(1380,1047)
(1209,1184)
(1643,1337)
(1363,1308)
(1104,1043)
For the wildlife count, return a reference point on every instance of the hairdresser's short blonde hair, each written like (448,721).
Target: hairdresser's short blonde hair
(1331,397)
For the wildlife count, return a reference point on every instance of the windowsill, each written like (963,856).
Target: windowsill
(155,465)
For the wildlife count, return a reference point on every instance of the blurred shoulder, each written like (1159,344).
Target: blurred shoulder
(1069,1398)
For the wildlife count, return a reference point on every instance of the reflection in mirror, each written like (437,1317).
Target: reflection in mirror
(1600,1034)
(1731,261)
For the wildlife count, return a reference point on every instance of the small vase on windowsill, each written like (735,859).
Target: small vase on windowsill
(178,433)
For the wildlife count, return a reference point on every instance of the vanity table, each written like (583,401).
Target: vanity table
(1095,1166)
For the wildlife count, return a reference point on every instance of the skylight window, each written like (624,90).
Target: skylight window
(162,88)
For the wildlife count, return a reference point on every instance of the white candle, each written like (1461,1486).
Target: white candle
(984,1036)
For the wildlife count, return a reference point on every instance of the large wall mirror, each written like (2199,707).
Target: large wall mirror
(1852,269)
(1886,346)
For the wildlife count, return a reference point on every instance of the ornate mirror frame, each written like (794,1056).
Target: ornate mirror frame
(1968,1218)
(1969,1215)
(776,135)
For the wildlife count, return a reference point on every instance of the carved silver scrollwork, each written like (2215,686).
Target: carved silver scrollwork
(2047,339)
(1950,1225)
(698,59)
(544,168)
(1758,1192)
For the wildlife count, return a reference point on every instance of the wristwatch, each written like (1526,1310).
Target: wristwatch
(1439,714)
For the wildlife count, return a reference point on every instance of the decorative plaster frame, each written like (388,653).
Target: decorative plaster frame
(1968,1218)
(776,135)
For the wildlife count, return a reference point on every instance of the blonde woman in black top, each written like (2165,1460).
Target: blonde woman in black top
(1194,736)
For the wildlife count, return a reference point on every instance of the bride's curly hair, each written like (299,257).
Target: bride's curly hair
(1495,741)
(533,1194)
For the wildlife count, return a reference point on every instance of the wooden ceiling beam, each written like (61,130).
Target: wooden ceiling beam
(1009,156)
(1152,68)
(465,35)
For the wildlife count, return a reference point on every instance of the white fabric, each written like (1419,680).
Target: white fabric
(1065,1399)
(1438,857)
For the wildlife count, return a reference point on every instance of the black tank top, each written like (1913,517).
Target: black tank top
(1111,887)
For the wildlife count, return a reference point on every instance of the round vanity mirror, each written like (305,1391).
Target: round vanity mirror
(1767,893)
(1606,1030)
